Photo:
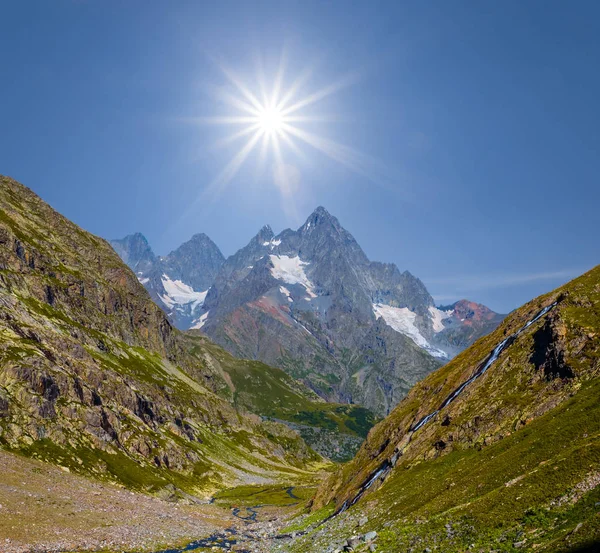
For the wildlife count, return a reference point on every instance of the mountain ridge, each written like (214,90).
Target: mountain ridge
(95,379)
(309,300)
(497,450)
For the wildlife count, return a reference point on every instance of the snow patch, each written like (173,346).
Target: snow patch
(402,320)
(291,270)
(272,243)
(179,294)
(199,323)
(437,318)
(286,293)
(144,280)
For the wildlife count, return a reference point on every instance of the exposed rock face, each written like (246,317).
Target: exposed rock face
(311,302)
(178,283)
(547,361)
(94,377)
(465,322)
(135,251)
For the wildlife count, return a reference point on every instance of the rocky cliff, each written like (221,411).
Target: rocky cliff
(93,376)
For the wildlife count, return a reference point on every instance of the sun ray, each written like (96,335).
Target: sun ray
(234,165)
(274,120)
(235,136)
(244,90)
(293,89)
(353,159)
(281,179)
(278,82)
(320,94)
(236,102)
(292,145)
(312,118)
(224,120)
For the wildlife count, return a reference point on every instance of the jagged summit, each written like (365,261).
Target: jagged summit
(179,281)
(318,218)
(310,301)
(304,299)
(135,250)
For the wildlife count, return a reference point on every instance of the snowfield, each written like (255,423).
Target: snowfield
(402,320)
(272,243)
(286,293)
(291,271)
(179,294)
(438,316)
(199,323)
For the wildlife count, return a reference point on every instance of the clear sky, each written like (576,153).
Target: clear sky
(459,140)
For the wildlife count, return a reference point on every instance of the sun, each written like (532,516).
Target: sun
(270,120)
(278,121)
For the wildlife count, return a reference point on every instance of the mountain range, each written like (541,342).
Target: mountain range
(94,377)
(310,302)
(496,450)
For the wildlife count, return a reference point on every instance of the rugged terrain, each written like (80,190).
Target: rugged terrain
(178,282)
(499,450)
(311,302)
(95,379)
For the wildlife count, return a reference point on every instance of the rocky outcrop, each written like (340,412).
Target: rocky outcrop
(542,365)
(177,282)
(497,449)
(311,302)
(94,377)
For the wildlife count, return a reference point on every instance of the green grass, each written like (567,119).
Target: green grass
(495,496)
(272,393)
(250,496)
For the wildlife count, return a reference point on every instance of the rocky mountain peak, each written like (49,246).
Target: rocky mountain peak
(469,310)
(135,250)
(198,246)
(320,218)
(265,234)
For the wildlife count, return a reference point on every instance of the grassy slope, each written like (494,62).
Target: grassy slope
(519,467)
(272,393)
(94,378)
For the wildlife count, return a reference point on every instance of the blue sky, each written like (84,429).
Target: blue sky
(471,128)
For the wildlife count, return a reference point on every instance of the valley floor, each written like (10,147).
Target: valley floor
(45,509)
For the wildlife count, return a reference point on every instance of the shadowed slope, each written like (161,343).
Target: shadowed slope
(93,376)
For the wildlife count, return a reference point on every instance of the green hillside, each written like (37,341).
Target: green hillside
(511,464)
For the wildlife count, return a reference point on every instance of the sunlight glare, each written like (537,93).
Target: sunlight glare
(273,120)
(270,120)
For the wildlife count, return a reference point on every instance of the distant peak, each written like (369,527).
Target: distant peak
(136,237)
(469,309)
(264,234)
(321,211)
(199,242)
(199,237)
(320,216)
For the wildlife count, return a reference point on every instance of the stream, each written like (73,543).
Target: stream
(387,465)
(219,540)
(228,538)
